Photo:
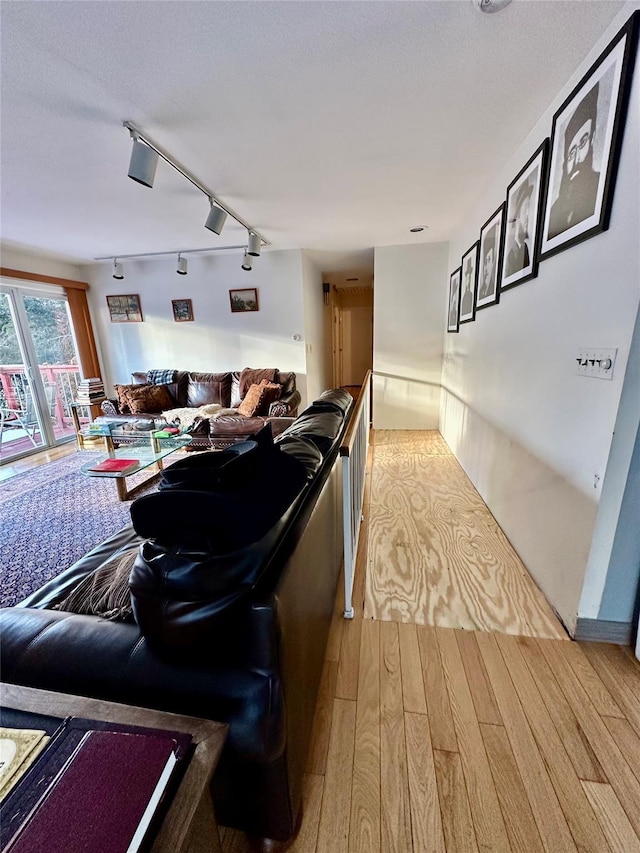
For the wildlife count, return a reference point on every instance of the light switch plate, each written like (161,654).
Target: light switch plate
(597,363)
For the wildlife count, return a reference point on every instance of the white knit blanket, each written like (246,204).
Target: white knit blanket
(187,415)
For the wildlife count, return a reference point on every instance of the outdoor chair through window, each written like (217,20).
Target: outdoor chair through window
(25,418)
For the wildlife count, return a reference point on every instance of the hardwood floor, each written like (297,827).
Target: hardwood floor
(430,738)
(33,460)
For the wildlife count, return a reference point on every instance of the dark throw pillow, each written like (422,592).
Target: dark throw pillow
(150,398)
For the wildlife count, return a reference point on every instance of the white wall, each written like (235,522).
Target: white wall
(314,329)
(529,432)
(217,340)
(408,306)
(26,261)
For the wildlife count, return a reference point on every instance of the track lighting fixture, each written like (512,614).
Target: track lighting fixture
(182,265)
(142,166)
(247,261)
(144,159)
(117,270)
(255,245)
(216,219)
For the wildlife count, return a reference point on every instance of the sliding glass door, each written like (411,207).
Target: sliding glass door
(38,370)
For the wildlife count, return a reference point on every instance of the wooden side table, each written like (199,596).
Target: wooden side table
(189,825)
(94,412)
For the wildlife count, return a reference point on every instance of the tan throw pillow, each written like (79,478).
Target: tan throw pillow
(252,402)
(150,399)
(250,376)
(272,392)
(122,391)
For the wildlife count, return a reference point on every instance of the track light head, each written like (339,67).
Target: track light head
(216,219)
(255,245)
(142,166)
(182,266)
(117,270)
(247,261)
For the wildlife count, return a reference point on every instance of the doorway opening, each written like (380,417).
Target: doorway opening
(351,317)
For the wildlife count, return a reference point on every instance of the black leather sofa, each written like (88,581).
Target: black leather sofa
(234,634)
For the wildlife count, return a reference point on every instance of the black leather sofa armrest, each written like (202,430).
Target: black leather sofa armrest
(112,661)
(286,407)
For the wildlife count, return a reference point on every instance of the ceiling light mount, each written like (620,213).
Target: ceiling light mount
(118,272)
(254,246)
(219,211)
(181,269)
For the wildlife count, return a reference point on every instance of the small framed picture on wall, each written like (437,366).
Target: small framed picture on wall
(182,310)
(523,233)
(491,235)
(453,314)
(469,284)
(244,299)
(124,308)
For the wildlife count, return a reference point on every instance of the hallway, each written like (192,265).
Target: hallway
(440,739)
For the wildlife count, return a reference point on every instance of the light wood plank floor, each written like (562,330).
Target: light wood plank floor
(448,740)
(439,739)
(436,554)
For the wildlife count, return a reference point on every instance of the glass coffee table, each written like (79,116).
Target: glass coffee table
(144,447)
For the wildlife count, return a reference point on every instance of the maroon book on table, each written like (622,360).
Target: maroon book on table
(100,797)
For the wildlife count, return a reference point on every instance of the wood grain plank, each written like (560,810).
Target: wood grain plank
(233,841)
(612,817)
(394,785)
(582,821)
(333,833)
(437,555)
(602,700)
(626,740)
(312,790)
(334,641)
(481,691)
(560,658)
(364,830)
(491,832)
(443,734)
(578,748)
(321,730)
(412,683)
(516,809)
(426,820)
(454,806)
(547,813)
(349,661)
(620,675)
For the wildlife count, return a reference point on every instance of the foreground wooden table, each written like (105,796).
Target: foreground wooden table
(189,825)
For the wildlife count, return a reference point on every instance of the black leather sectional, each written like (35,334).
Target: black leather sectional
(233,592)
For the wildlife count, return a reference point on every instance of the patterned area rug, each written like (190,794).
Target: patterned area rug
(53,515)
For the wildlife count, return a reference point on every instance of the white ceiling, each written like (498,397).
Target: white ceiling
(332,126)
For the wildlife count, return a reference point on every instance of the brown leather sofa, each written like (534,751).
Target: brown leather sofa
(233,592)
(188,389)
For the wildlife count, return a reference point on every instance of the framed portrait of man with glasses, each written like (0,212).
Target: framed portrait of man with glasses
(585,147)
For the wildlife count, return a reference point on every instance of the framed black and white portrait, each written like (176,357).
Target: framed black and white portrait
(522,231)
(585,147)
(453,311)
(490,262)
(469,284)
